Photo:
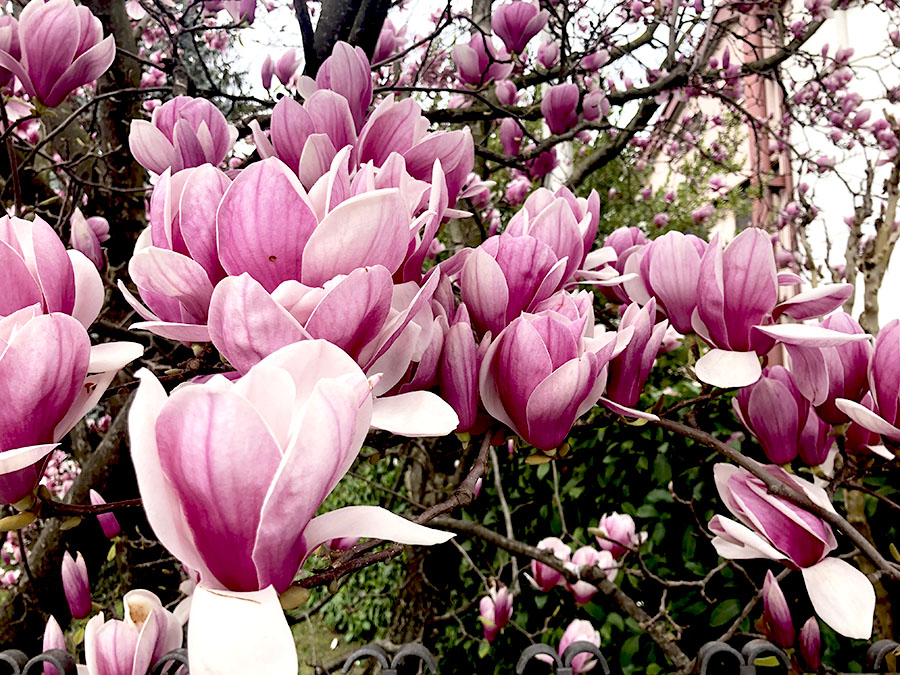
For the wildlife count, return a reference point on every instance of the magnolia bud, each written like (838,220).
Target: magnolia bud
(76,585)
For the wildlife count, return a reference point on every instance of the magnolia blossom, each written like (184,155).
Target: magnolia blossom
(559,107)
(773,528)
(616,533)
(390,40)
(303,413)
(87,235)
(76,585)
(810,645)
(542,576)
(9,44)
(517,22)
(131,646)
(546,370)
(182,133)
(50,377)
(587,556)
(108,522)
(39,272)
(884,382)
(776,613)
(60,48)
(479,61)
(495,610)
(628,372)
(777,414)
(580,631)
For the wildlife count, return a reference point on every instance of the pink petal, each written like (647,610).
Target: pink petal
(809,336)
(160,500)
(247,325)
(370,229)
(89,292)
(263,224)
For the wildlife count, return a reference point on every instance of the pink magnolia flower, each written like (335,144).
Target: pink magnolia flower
(776,613)
(517,22)
(629,371)
(9,44)
(182,133)
(131,646)
(548,54)
(50,376)
(495,610)
(460,362)
(62,48)
(587,556)
(287,65)
(176,263)
(542,576)
(239,10)
(506,92)
(511,135)
(737,305)
(567,224)
(580,631)
(267,71)
(781,419)
(76,585)
(39,272)
(810,645)
(546,370)
(53,639)
(345,72)
(479,61)
(87,234)
(884,383)
(304,412)
(559,107)
(771,527)
(390,40)
(616,533)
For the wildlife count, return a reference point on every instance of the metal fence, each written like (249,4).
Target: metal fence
(715,658)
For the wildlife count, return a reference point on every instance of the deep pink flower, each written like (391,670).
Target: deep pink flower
(773,528)
(62,48)
(182,133)
(517,22)
(559,107)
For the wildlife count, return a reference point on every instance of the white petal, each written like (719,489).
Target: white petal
(842,596)
(416,413)
(810,336)
(722,368)
(113,356)
(19,458)
(232,633)
(370,521)
(867,419)
(625,411)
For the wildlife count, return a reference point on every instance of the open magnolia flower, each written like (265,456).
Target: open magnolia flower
(148,632)
(50,377)
(232,473)
(774,528)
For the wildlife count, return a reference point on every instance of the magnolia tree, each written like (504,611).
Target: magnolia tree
(423,281)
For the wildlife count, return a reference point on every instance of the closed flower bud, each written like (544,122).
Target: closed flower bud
(810,646)
(776,613)
(76,585)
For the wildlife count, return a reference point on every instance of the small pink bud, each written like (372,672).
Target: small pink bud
(776,613)
(53,639)
(107,521)
(810,647)
(76,585)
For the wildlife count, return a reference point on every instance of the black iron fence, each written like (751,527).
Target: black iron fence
(756,657)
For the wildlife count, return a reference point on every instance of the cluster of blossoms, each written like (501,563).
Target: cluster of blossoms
(306,272)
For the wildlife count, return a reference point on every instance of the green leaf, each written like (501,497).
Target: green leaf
(483,648)
(542,471)
(662,472)
(725,612)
